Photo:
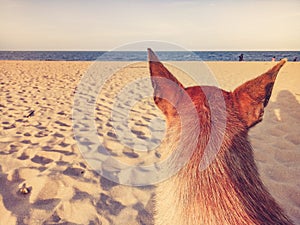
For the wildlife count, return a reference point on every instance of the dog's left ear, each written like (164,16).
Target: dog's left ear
(253,96)
(169,93)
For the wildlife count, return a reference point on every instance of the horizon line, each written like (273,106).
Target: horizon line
(187,50)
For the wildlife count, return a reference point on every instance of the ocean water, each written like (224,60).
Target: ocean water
(142,55)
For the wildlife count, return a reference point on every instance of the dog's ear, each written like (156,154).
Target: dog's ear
(168,91)
(253,96)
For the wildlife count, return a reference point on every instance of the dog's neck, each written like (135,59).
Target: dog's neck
(229,191)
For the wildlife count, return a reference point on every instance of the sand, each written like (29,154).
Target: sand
(38,148)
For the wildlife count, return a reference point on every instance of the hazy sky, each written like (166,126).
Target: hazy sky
(195,25)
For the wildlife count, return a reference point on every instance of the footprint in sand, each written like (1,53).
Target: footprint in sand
(62,124)
(46,204)
(80,195)
(107,184)
(130,153)
(24,156)
(73,172)
(59,135)
(41,160)
(108,204)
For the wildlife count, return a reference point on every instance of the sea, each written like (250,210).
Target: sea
(142,55)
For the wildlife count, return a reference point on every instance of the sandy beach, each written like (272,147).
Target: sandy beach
(38,148)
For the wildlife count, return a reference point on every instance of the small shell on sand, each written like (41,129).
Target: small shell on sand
(24,190)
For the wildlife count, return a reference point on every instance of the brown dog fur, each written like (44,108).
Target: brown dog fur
(229,191)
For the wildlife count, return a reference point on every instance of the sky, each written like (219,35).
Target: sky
(194,25)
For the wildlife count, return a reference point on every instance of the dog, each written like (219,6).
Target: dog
(228,189)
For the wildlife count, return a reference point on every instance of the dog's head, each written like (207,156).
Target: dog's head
(246,102)
(208,118)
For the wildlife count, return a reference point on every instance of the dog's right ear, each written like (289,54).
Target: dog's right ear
(168,91)
(253,96)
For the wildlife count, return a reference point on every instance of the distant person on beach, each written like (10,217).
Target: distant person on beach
(241,57)
(274,59)
(295,59)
